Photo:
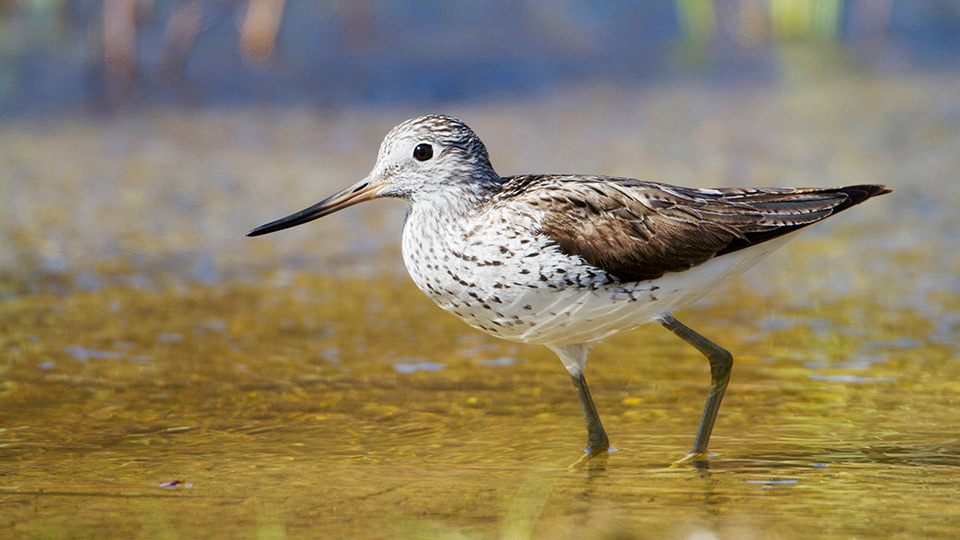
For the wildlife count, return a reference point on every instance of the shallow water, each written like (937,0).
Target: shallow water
(299,385)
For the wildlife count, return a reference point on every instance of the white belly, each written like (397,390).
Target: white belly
(519,287)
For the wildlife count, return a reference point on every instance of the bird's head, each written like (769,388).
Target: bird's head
(433,157)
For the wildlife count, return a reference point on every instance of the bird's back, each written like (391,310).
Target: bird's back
(637,230)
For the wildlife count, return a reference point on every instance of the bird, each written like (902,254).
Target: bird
(567,260)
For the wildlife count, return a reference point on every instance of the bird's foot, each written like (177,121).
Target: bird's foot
(595,457)
(698,459)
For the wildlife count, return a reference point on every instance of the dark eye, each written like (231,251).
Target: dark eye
(423,152)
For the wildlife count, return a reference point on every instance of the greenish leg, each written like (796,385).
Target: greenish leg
(596,437)
(574,358)
(721,363)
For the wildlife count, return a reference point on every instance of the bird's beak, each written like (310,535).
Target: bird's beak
(363,190)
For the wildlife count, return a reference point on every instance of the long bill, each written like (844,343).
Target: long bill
(363,190)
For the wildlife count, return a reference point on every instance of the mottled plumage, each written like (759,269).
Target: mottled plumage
(566,260)
(638,230)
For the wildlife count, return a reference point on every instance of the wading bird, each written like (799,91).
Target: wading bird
(567,260)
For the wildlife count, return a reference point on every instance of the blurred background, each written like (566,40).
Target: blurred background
(140,132)
(144,338)
(65,55)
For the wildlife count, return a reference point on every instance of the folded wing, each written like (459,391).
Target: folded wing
(637,230)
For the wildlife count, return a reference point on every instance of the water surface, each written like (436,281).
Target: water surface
(299,386)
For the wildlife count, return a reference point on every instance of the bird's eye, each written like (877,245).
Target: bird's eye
(423,152)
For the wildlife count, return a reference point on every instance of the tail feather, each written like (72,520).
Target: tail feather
(785,211)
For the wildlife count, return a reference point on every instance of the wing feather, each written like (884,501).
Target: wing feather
(636,230)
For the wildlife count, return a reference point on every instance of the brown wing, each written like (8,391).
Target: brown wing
(637,230)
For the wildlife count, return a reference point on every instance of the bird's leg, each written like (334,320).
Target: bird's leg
(597,441)
(574,358)
(721,363)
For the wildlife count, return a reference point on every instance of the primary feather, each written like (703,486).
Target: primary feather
(637,230)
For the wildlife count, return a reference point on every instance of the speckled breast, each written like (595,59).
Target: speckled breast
(505,279)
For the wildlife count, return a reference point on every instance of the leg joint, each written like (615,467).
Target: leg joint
(721,357)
